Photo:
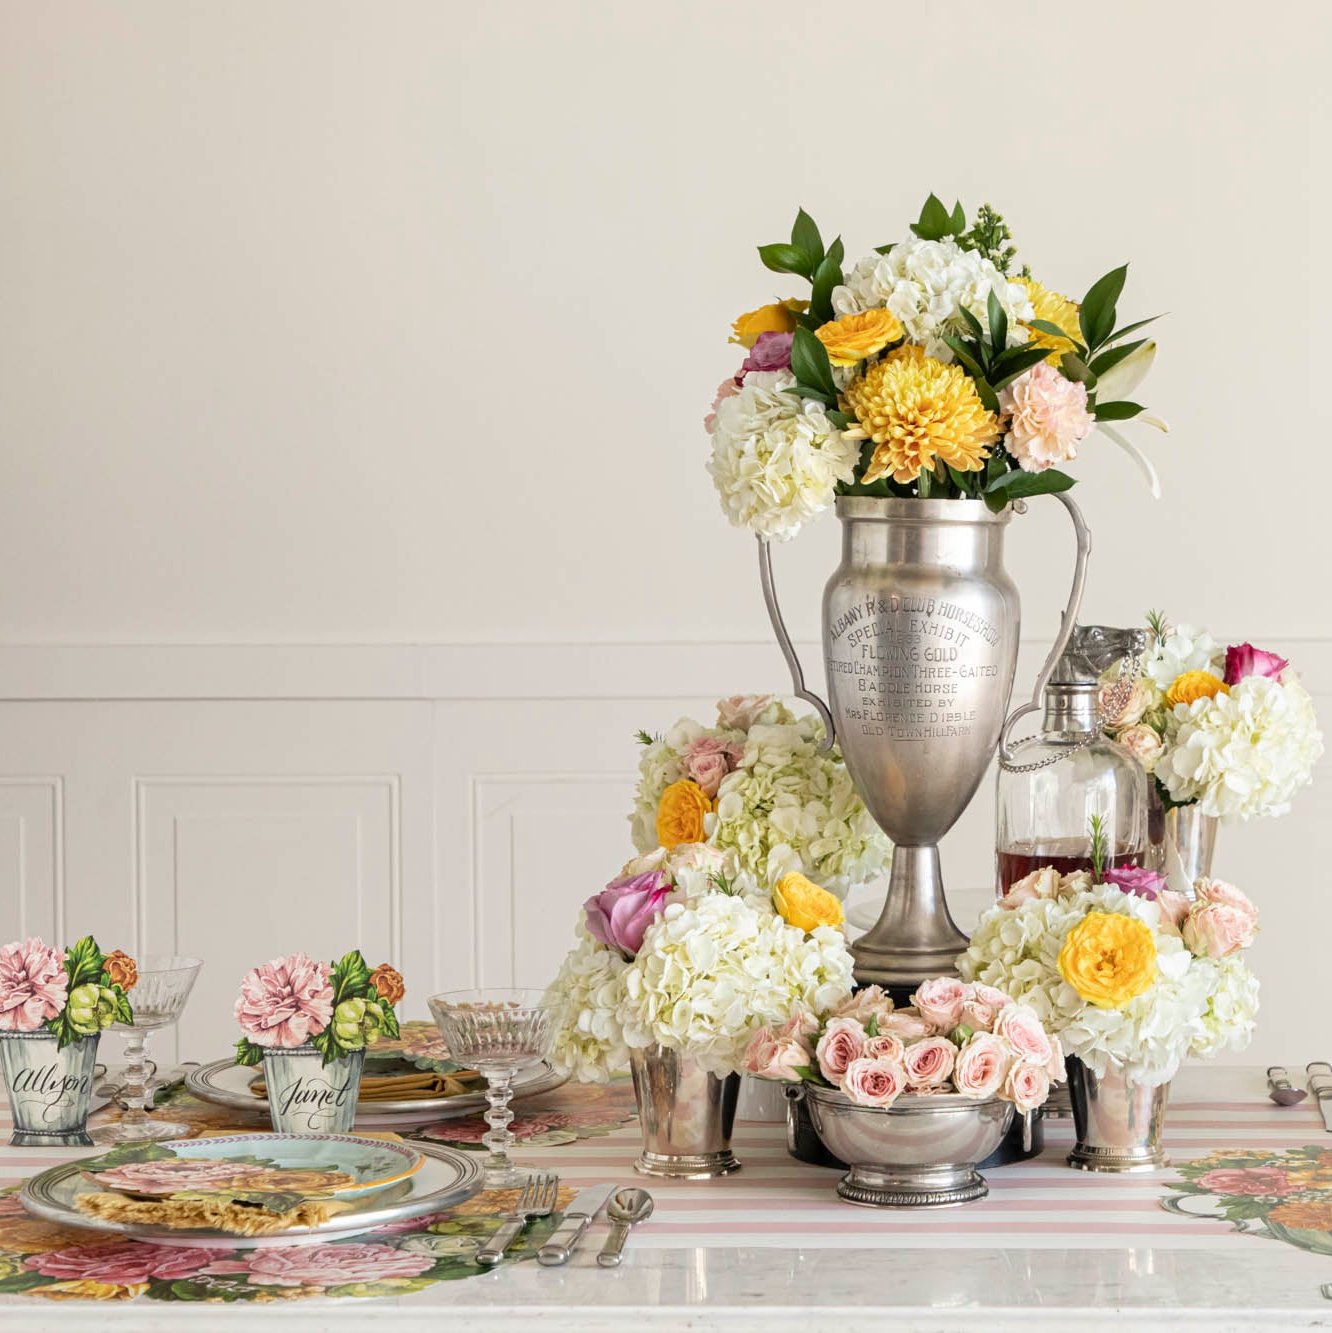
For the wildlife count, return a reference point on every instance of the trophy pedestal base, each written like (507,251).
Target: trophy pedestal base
(914,937)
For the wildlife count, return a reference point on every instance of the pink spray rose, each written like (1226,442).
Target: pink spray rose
(883,1046)
(982,1006)
(728,388)
(1047,417)
(866,1003)
(1222,920)
(929,1062)
(1243,660)
(285,1002)
(1175,908)
(33,985)
(741,711)
(1042,883)
(771,1056)
(1254,1180)
(1217,891)
(1137,881)
(124,1264)
(326,1265)
(800,1025)
(707,761)
(1143,744)
(982,1066)
(1027,1086)
(842,1041)
(619,915)
(907,1024)
(1136,701)
(939,1001)
(874,1082)
(771,351)
(1026,1037)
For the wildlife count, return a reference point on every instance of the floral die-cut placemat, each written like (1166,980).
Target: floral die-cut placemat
(70,1263)
(1283,1194)
(574,1111)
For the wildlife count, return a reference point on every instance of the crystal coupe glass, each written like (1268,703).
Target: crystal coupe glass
(497,1033)
(158,997)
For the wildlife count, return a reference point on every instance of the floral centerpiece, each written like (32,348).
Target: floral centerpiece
(1231,730)
(679,960)
(54,1006)
(931,367)
(1131,976)
(309,1023)
(755,786)
(972,1040)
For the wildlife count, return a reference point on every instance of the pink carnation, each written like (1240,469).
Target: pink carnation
(285,1002)
(33,985)
(1047,417)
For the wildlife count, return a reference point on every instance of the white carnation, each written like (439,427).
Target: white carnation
(776,459)
(1244,753)
(927,285)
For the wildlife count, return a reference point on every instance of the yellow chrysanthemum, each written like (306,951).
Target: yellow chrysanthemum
(1195,685)
(918,410)
(780,317)
(802,903)
(1109,959)
(854,337)
(680,813)
(1056,309)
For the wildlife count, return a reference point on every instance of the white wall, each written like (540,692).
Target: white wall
(388,324)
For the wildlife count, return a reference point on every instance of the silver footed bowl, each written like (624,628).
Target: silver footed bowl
(921,1152)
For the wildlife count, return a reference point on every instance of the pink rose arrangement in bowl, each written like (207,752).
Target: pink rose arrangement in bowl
(912,1099)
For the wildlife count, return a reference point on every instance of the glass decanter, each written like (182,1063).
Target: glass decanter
(1057,780)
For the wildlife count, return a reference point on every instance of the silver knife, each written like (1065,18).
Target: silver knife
(1320,1084)
(577,1218)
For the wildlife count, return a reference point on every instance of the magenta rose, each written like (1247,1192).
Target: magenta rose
(33,985)
(707,761)
(285,1002)
(939,1001)
(1246,1180)
(982,1066)
(1027,1086)
(771,351)
(874,1082)
(1244,660)
(1026,1037)
(1135,880)
(124,1264)
(929,1062)
(842,1041)
(328,1265)
(619,915)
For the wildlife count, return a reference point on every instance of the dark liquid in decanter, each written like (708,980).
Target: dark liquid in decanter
(1065,857)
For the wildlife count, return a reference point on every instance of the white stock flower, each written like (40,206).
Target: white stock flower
(776,459)
(1185,648)
(927,284)
(1244,753)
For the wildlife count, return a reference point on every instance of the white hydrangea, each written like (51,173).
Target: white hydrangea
(1244,753)
(1196,1007)
(717,967)
(1185,648)
(587,993)
(927,284)
(776,459)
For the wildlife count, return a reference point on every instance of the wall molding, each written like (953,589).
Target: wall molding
(35,673)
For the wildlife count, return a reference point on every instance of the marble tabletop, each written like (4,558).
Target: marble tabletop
(771,1247)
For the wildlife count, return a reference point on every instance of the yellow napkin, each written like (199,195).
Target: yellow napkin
(218,1213)
(403,1087)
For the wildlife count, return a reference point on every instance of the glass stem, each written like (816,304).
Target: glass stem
(136,1078)
(500,1138)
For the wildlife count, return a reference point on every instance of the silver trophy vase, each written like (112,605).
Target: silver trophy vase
(920,639)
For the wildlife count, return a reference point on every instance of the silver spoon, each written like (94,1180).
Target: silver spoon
(626,1208)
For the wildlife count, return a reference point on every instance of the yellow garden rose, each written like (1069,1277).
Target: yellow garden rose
(803,904)
(780,317)
(854,337)
(1109,959)
(1194,685)
(680,813)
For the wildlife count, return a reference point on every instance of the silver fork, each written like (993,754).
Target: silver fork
(536,1200)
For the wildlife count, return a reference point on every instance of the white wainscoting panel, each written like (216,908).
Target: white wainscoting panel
(447,808)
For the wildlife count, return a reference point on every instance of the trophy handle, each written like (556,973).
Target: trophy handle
(1065,629)
(788,648)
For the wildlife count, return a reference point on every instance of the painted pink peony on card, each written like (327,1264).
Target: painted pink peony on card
(33,985)
(285,1002)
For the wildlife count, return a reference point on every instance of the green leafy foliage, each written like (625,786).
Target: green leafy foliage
(646,738)
(805,237)
(1018,485)
(782,258)
(1096,316)
(84,962)
(989,235)
(936,221)
(811,367)
(1120,411)
(248,1053)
